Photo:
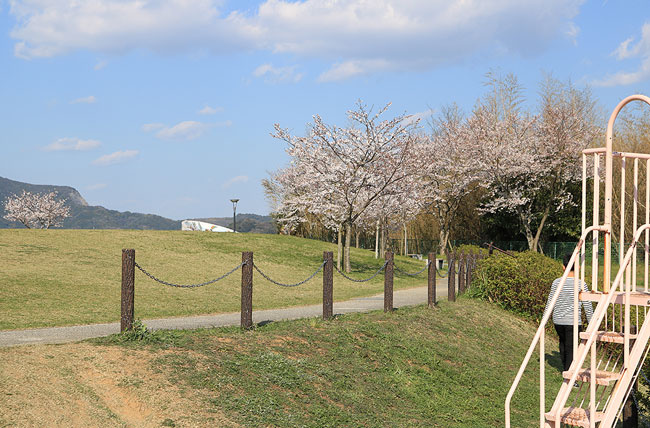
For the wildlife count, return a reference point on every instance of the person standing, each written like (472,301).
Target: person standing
(563,312)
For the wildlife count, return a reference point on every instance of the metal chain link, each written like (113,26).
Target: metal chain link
(413,274)
(188,285)
(441,275)
(288,285)
(644,376)
(361,280)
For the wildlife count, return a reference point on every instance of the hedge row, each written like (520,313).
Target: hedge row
(520,283)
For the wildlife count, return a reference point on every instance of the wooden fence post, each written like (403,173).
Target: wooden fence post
(128,289)
(328,285)
(431,281)
(388,282)
(451,280)
(247,290)
(462,261)
(470,269)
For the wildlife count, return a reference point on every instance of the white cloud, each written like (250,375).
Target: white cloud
(97,186)
(210,110)
(235,180)
(116,157)
(421,116)
(278,74)
(72,144)
(183,131)
(358,36)
(354,68)
(625,51)
(85,100)
(572,33)
(148,127)
(100,65)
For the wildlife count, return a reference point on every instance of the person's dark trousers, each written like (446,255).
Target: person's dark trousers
(565,332)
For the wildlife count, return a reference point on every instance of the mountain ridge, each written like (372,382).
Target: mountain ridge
(85,216)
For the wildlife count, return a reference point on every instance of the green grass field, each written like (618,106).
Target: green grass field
(417,367)
(67,277)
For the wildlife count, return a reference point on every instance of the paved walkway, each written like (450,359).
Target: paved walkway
(409,297)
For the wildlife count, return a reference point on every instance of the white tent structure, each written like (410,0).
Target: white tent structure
(202,226)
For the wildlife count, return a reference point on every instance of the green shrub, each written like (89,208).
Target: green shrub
(520,284)
(138,331)
(472,249)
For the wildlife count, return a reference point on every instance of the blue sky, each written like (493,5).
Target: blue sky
(166,106)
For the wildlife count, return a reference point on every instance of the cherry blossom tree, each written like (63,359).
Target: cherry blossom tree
(295,195)
(340,172)
(450,173)
(528,160)
(36,210)
(394,208)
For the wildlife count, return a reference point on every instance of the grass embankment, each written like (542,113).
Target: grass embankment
(66,277)
(416,367)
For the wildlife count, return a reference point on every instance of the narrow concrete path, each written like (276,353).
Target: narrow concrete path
(408,297)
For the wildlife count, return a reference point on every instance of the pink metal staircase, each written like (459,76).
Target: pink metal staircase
(609,354)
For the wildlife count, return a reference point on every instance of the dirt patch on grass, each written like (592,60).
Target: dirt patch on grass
(83,385)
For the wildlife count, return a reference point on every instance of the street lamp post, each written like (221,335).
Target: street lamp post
(234,214)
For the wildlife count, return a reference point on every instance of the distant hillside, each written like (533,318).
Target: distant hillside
(247,223)
(82,215)
(10,187)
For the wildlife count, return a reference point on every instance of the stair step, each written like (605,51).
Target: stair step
(607,336)
(602,377)
(637,298)
(575,416)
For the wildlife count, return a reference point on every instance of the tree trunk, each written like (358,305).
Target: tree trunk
(339,247)
(383,240)
(348,242)
(531,241)
(539,229)
(377,241)
(406,242)
(444,239)
(357,234)
(525,225)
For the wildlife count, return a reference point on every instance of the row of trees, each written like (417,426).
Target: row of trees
(379,174)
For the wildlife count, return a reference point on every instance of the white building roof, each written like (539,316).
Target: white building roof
(202,226)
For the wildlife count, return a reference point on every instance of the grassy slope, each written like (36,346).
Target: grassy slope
(65,277)
(447,367)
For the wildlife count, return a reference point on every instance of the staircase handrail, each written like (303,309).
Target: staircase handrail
(598,316)
(545,318)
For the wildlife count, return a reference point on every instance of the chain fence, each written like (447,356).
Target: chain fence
(412,274)
(360,280)
(189,285)
(265,276)
(129,266)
